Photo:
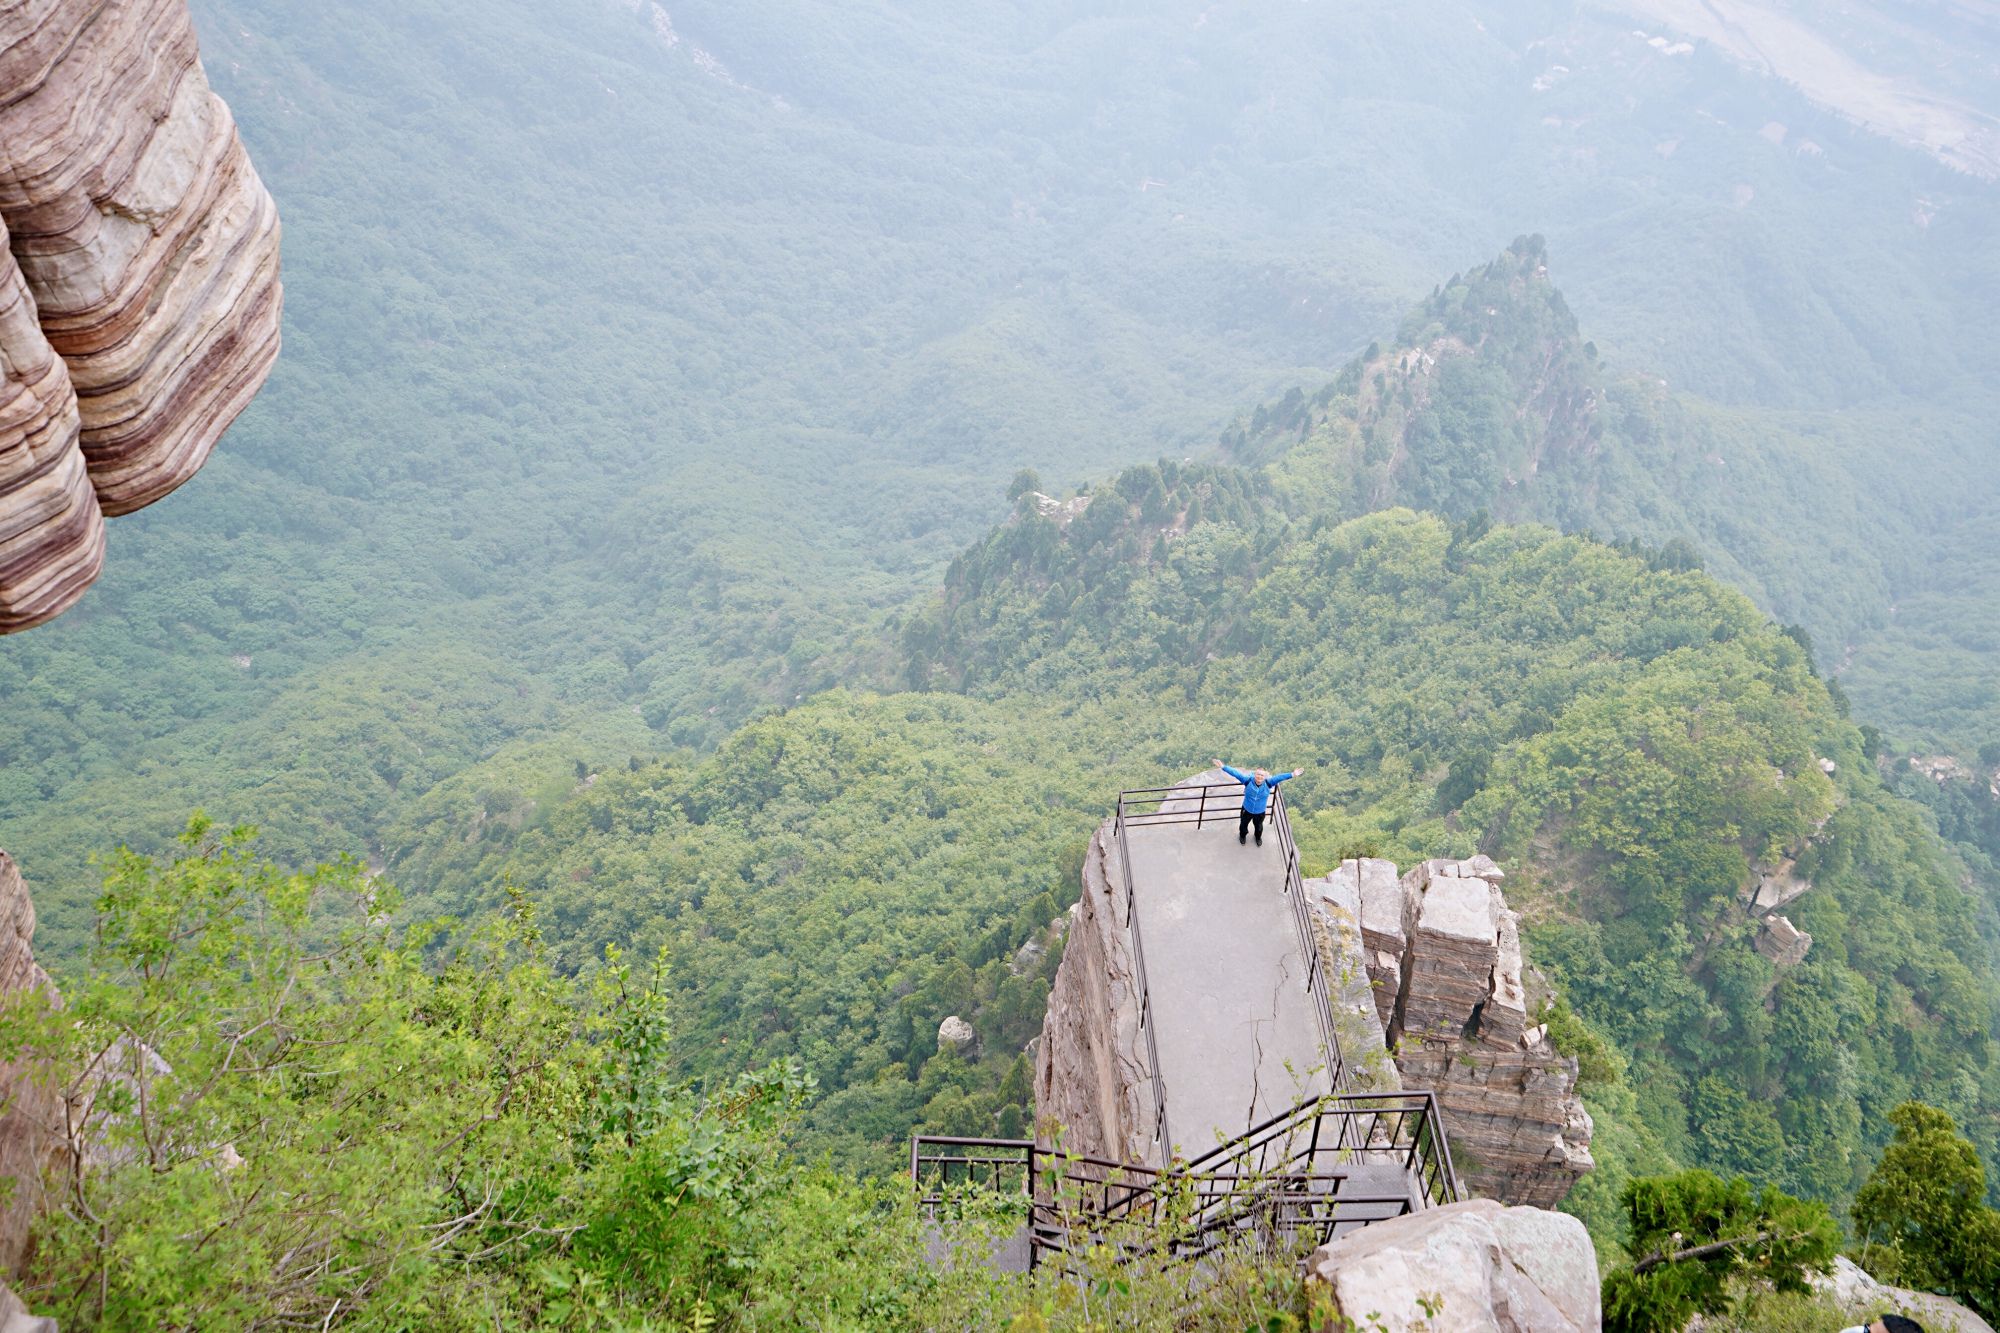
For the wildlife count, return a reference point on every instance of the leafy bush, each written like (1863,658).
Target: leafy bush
(1699,1240)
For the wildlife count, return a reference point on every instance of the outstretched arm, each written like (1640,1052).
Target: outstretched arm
(1276,778)
(1236,773)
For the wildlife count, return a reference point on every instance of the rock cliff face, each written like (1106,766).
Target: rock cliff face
(27,1108)
(51,537)
(1090,1069)
(139,303)
(1442,954)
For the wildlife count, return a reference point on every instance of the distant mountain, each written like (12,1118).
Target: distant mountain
(1489,400)
(641,364)
(1919,73)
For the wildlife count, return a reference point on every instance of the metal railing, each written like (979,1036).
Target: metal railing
(1163,1141)
(1400,1128)
(1322,997)
(1300,1179)
(1189,805)
(948,1164)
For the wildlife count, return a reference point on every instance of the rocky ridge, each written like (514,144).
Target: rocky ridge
(1426,966)
(1441,952)
(140,296)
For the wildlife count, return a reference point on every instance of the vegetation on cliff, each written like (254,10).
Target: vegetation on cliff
(836,880)
(307,1114)
(1635,739)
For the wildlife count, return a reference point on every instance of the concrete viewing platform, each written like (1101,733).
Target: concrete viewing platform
(1236,1029)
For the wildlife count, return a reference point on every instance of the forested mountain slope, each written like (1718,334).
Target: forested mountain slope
(1614,756)
(1490,398)
(637,355)
(1634,740)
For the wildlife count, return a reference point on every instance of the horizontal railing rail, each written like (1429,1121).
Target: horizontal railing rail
(1298,1178)
(1163,1140)
(1316,980)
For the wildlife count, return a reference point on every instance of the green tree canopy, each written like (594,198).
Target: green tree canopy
(1697,1238)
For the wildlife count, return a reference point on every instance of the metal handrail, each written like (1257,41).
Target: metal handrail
(1001,1157)
(1336,1063)
(1293,1171)
(1163,1140)
(1410,1122)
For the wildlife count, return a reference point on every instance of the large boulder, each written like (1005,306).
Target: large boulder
(1479,1266)
(1782,942)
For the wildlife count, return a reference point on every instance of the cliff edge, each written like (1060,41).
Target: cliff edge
(139,289)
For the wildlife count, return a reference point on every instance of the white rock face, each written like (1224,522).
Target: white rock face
(955,1033)
(1368,888)
(1782,942)
(1777,886)
(1476,1266)
(1865,1298)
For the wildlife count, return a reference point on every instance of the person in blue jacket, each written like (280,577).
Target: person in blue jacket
(1258,784)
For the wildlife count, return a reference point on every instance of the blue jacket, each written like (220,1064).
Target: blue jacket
(1257,795)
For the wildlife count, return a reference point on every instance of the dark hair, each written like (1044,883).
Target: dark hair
(1901,1323)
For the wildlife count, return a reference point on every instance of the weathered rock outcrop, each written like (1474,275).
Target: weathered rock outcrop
(1443,957)
(1471,1266)
(1776,886)
(1090,1068)
(1782,942)
(51,535)
(1864,1298)
(27,1107)
(144,266)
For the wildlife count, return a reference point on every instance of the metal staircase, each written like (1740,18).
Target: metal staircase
(1327,1167)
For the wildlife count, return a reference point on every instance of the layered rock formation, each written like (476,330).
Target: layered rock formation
(1091,1080)
(1782,942)
(1442,953)
(139,307)
(51,536)
(1473,1265)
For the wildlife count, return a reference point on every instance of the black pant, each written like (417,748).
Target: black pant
(1243,826)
